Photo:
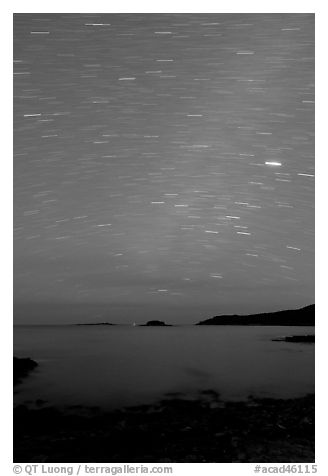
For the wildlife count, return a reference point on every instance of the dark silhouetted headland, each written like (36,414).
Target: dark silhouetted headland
(295,317)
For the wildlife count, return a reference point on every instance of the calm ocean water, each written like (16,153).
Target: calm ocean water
(122,365)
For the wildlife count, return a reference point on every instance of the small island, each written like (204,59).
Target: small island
(95,324)
(295,317)
(155,323)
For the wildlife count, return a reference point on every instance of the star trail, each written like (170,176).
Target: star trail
(163,165)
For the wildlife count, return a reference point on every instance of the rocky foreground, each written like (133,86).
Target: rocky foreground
(174,430)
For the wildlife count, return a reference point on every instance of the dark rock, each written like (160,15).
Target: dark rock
(39,402)
(307,339)
(21,368)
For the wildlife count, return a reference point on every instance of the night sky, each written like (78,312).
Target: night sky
(163,166)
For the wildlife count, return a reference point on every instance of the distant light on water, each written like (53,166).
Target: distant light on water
(274,164)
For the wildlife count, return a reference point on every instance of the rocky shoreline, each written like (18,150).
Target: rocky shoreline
(302,339)
(174,430)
